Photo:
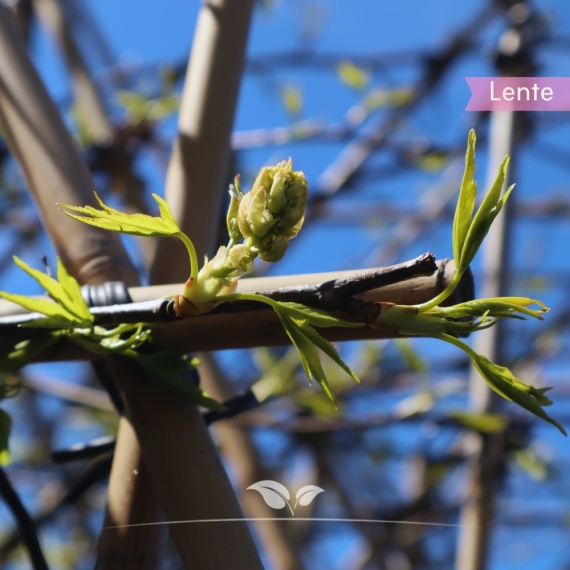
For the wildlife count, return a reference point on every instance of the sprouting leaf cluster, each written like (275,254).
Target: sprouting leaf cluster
(67,315)
(431,319)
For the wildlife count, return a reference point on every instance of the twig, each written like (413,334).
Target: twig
(96,472)
(93,448)
(25,522)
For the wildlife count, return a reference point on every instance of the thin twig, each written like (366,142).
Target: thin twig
(96,472)
(25,522)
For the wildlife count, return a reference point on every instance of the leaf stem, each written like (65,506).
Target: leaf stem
(442,296)
(247,297)
(192,253)
(458,343)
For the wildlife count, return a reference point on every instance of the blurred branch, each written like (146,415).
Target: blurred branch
(436,65)
(25,523)
(241,453)
(76,393)
(87,99)
(54,171)
(97,471)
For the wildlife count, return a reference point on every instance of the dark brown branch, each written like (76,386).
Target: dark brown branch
(25,522)
(97,471)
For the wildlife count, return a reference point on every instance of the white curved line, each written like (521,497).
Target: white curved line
(245,519)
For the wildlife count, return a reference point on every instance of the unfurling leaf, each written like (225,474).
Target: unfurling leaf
(273,493)
(465,202)
(306,495)
(503,381)
(133,224)
(468,233)
(69,308)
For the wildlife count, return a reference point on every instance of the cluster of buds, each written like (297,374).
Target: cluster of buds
(260,223)
(271,214)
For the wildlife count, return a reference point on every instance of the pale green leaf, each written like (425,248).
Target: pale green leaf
(73,300)
(382,97)
(165,211)
(486,214)
(326,347)
(307,353)
(465,202)
(510,307)
(53,288)
(529,462)
(502,381)
(134,224)
(42,306)
(105,344)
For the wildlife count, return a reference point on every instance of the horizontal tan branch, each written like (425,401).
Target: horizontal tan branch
(245,324)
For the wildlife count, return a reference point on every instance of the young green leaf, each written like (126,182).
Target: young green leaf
(352,75)
(503,381)
(499,307)
(72,299)
(326,347)
(66,293)
(134,224)
(307,352)
(113,343)
(69,308)
(465,202)
(486,214)
(42,306)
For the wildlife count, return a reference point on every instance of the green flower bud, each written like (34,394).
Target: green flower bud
(239,258)
(232,215)
(277,195)
(242,215)
(292,232)
(297,194)
(277,250)
(259,218)
(273,212)
(264,179)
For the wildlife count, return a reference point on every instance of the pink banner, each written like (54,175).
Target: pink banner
(519,94)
